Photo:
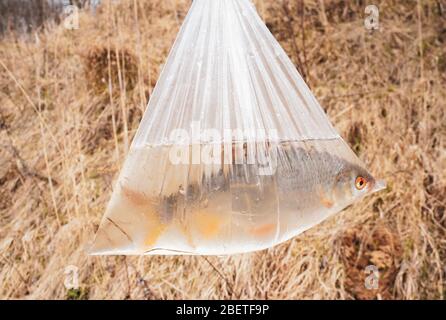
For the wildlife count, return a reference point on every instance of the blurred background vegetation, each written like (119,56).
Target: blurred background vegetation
(71,101)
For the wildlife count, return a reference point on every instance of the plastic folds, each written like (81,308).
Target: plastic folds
(233,154)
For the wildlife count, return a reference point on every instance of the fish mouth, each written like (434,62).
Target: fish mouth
(378,186)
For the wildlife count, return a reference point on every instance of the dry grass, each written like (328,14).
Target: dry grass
(62,142)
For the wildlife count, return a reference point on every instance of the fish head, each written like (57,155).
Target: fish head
(353,182)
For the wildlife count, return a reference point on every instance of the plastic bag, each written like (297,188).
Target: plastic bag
(233,154)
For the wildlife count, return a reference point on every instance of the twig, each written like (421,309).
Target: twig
(300,65)
(231,288)
(24,168)
(110,82)
(33,105)
(120,229)
(16,270)
(129,290)
(148,293)
(304,47)
(362,93)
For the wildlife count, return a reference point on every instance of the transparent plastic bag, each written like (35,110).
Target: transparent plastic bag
(234,153)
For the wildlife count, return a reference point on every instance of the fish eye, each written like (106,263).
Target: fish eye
(360,182)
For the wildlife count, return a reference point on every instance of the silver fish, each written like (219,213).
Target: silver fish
(228,208)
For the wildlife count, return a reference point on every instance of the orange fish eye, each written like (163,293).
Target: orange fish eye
(360,182)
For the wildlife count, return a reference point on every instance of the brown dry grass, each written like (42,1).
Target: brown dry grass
(62,142)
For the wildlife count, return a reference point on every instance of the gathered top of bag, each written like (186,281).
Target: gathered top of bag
(233,154)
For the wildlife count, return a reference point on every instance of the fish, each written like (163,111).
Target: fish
(330,180)
(232,208)
(283,167)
